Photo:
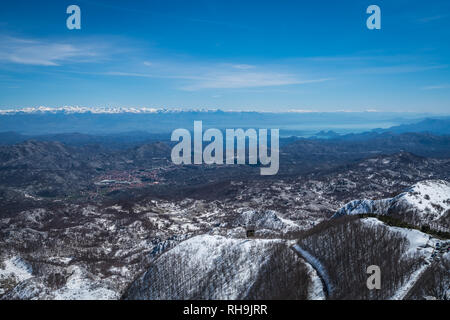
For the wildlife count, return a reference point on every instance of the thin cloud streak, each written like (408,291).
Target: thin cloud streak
(433,18)
(398,69)
(226,81)
(248,80)
(437,87)
(44,53)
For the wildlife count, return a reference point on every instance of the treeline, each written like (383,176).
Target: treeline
(424,222)
(433,229)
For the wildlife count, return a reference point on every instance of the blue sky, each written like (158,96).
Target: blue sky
(233,55)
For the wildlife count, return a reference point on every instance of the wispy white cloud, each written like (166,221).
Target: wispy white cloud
(231,80)
(187,74)
(45,53)
(372,56)
(236,80)
(148,75)
(432,18)
(437,87)
(197,75)
(243,66)
(394,69)
(242,80)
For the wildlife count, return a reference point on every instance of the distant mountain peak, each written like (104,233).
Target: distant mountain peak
(425,201)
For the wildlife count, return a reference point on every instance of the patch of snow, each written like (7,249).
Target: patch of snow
(80,287)
(430,196)
(316,290)
(418,241)
(267,219)
(429,200)
(16,267)
(201,255)
(317,265)
(403,291)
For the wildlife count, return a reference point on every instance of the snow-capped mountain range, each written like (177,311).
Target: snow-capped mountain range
(96,110)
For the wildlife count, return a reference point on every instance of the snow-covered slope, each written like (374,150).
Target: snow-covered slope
(420,244)
(209,267)
(266,219)
(13,271)
(430,198)
(364,206)
(427,201)
(200,256)
(80,285)
(318,267)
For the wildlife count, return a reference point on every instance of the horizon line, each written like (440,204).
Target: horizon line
(150,110)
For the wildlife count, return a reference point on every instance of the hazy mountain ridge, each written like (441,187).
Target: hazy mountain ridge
(40,121)
(434,126)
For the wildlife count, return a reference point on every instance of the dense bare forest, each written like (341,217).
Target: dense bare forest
(242,269)
(347,246)
(434,283)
